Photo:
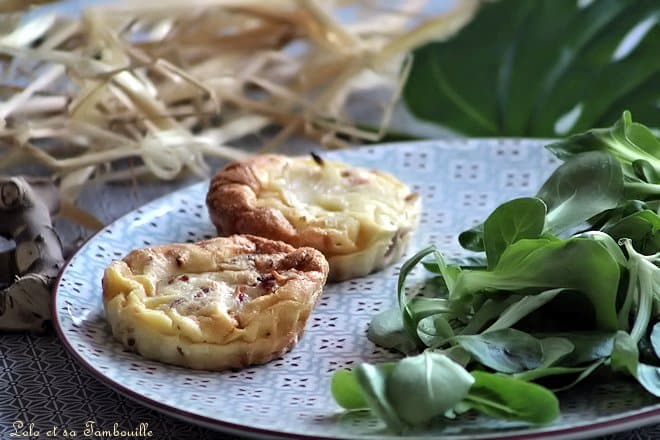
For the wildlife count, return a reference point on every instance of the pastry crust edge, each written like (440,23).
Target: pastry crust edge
(231,202)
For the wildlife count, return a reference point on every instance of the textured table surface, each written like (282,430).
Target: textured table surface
(41,385)
(43,389)
(44,393)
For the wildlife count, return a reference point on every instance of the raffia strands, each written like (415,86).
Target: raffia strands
(171,83)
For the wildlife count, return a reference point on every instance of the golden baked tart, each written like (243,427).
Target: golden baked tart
(216,304)
(360,219)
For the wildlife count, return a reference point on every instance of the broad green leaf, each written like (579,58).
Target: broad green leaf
(431,266)
(607,242)
(611,216)
(346,390)
(642,227)
(655,339)
(421,307)
(386,329)
(488,312)
(580,264)
(507,350)
(582,376)
(433,330)
(425,386)
(645,171)
(625,356)
(583,186)
(595,60)
(449,272)
(508,398)
(550,40)
(473,239)
(373,382)
(418,308)
(510,222)
(548,69)
(469,262)
(457,354)
(554,349)
(589,346)
(523,307)
(630,72)
(628,141)
(649,377)
(641,102)
(455,83)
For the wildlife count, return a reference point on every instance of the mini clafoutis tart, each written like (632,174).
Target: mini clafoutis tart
(360,219)
(223,303)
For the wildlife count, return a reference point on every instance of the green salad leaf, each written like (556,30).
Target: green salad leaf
(417,389)
(586,372)
(655,338)
(434,330)
(536,305)
(510,222)
(628,141)
(636,148)
(625,355)
(387,330)
(346,390)
(509,398)
(425,386)
(487,312)
(554,350)
(372,381)
(649,377)
(523,307)
(507,350)
(409,323)
(580,189)
(641,227)
(541,264)
(577,190)
(589,346)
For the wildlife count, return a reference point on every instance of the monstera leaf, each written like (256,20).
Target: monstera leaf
(542,68)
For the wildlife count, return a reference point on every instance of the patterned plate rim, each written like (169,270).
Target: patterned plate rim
(616,423)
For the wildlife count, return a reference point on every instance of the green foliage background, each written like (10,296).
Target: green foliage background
(542,68)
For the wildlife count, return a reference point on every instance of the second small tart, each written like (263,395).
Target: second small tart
(360,219)
(223,303)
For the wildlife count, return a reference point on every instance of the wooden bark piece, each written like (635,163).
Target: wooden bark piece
(26,206)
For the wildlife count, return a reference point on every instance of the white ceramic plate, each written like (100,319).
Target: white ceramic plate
(460,182)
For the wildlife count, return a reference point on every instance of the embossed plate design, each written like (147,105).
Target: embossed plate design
(460,182)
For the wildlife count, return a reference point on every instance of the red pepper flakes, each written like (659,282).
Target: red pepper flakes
(184,278)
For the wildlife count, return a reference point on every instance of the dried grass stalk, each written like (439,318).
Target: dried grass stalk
(172,83)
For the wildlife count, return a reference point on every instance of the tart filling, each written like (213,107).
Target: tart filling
(360,219)
(221,303)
